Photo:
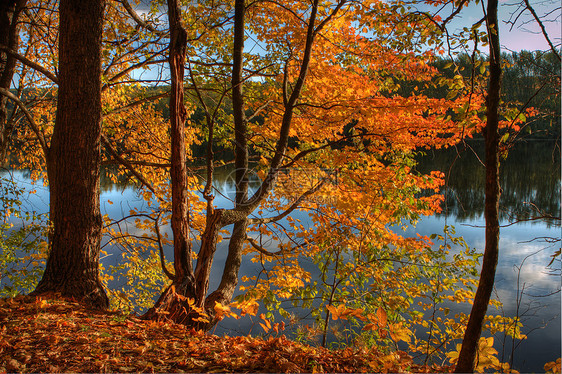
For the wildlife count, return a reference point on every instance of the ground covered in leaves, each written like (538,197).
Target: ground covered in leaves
(39,335)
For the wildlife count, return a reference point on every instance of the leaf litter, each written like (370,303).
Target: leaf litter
(54,335)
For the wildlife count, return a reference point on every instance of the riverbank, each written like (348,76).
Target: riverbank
(48,335)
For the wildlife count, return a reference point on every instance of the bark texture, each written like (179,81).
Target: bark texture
(173,303)
(178,172)
(473,331)
(74,160)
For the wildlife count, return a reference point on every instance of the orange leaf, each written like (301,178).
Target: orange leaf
(382,317)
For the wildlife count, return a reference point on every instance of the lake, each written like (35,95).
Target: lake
(526,287)
(530,180)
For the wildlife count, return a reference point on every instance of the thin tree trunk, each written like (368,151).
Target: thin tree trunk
(172,303)
(74,160)
(240,125)
(229,279)
(178,172)
(473,331)
(243,205)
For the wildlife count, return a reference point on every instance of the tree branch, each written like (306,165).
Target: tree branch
(127,164)
(34,127)
(281,147)
(543,29)
(134,15)
(290,209)
(162,257)
(261,249)
(30,63)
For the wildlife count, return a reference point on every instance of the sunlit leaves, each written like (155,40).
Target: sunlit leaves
(23,246)
(222,311)
(552,367)
(486,356)
(365,108)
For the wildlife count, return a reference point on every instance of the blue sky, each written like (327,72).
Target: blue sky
(525,34)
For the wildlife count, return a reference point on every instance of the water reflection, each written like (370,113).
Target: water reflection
(530,180)
(531,174)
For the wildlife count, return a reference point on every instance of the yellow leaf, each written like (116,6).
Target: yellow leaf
(266,326)
(454,355)
(486,355)
(398,332)
(222,311)
(43,303)
(552,367)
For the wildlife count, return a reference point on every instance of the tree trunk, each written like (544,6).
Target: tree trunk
(467,354)
(172,303)
(178,172)
(229,279)
(188,284)
(74,161)
(10,11)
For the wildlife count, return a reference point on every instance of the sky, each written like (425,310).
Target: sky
(525,33)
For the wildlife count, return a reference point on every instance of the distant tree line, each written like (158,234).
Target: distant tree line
(529,79)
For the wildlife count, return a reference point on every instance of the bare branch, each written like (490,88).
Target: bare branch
(290,209)
(261,249)
(162,257)
(134,67)
(134,15)
(543,29)
(126,163)
(34,127)
(30,63)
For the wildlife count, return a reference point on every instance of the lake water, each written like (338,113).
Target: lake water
(530,178)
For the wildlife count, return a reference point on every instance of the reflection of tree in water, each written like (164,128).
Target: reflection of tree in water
(530,179)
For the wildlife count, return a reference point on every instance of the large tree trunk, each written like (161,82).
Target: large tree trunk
(74,161)
(10,11)
(486,284)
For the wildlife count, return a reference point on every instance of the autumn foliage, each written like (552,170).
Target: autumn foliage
(47,335)
(311,108)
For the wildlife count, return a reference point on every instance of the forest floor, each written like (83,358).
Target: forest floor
(48,335)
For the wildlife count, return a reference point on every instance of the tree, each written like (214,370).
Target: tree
(498,116)
(10,12)
(73,162)
(300,122)
(183,277)
(467,354)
